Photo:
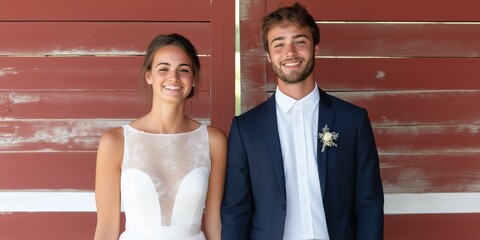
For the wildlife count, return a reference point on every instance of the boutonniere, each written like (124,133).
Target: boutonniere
(327,138)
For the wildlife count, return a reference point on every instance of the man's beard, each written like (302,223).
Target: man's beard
(295,76)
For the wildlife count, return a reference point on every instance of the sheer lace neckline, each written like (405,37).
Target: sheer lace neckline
(165,134)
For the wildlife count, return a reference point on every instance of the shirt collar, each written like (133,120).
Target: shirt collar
(286,103)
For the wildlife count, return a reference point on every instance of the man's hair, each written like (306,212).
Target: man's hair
(296,14)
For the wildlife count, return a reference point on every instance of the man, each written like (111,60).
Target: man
(303,164)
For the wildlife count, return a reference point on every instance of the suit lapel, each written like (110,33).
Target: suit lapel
(326,117)
(270,123)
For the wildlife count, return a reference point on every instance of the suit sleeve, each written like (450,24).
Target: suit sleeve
(369,191)
(236,210)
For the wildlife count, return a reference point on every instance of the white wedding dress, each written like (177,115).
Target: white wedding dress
(164,184)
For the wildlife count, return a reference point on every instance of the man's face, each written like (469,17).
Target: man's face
(292,52)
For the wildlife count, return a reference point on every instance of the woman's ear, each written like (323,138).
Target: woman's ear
(148,77)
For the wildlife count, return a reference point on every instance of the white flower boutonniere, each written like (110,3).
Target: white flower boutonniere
(327,138)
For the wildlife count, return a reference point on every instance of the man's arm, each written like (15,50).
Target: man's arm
(236,211)
(369,190)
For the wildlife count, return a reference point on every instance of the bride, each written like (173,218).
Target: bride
(166,169)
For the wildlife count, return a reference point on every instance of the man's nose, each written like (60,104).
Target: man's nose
(290,50)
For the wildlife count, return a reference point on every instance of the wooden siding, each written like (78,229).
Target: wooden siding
(421,226)
(106,10)
(71,70)
(415,67)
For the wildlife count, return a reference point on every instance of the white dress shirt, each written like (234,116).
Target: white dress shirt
(297,126)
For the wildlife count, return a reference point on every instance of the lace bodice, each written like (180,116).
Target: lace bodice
(164,182)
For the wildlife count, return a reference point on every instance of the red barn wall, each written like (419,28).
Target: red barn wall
(415,66)
(69,70)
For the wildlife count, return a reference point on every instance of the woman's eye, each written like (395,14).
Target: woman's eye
(184,70)
(163,70)
(278,45)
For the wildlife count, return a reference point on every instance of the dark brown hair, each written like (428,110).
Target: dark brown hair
(296,14)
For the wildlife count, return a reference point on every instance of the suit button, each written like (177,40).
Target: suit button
(284,207)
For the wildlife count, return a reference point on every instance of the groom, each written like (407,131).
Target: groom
(303,164)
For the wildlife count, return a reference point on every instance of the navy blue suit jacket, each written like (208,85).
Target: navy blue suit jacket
(254,204)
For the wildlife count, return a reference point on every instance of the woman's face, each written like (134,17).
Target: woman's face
(171,74)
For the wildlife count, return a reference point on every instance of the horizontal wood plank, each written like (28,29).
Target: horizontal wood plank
(378,74)
(378,10)
(387,40)
(405,173)
(47,170)
(422,107)
(54,135)
(105,10)
(52,226)
(427,139)
(57,135)
(400,40)
(53,105)
(430,172)
(93,38)
(417,107)
(432,226)
(79,73)
(60,226)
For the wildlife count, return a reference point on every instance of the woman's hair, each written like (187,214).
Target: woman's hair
(296,14)
(176,40)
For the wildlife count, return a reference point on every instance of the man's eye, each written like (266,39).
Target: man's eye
(184,70)
(279,45)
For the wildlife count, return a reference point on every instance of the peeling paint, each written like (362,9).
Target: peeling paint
(58,135)
(380,75)
(7,71)
(93,52)
(55,135)
(23,98)
(473,186)
(409,180)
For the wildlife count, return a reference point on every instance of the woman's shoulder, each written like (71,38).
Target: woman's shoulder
(112,138)
(110,148)
(216,135)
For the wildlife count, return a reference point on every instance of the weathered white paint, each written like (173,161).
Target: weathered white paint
(7,71)
(84,201)
(80,52)
(16,98)
(83,132)
(380,75)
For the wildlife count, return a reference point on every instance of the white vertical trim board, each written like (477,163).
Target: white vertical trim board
(84,201)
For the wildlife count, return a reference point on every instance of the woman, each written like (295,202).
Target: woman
(163,163)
